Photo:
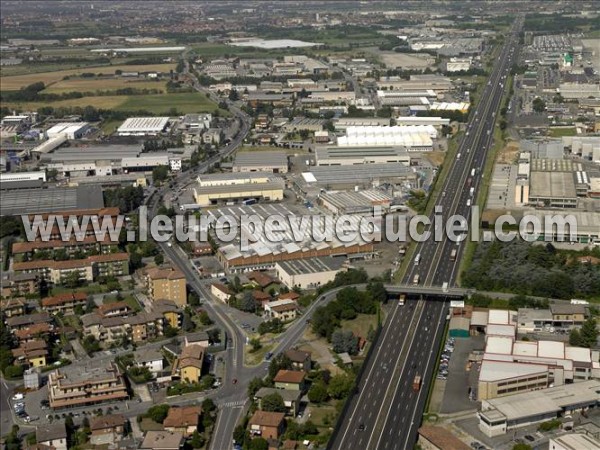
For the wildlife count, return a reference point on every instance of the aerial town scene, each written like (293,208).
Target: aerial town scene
(262,225)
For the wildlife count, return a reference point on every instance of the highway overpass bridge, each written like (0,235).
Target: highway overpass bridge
(449,293)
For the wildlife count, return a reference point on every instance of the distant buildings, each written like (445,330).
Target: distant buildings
(214,189)
(261,161)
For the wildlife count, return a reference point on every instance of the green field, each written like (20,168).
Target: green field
(560,132)
(194,102)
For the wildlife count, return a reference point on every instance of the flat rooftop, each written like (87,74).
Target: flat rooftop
(92,153)
(552,185)
(357,174)
(314,265)
(544,401)
(260,159)
(37,201)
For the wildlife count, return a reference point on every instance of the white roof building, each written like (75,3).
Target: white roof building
(143,126)
(405,136)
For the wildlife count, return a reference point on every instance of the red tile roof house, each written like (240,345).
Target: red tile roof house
(268,425)
(184,419)
(290,379)
(107,430)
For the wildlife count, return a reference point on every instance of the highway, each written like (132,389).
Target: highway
(389,414)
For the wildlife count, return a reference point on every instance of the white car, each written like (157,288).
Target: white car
(18,396)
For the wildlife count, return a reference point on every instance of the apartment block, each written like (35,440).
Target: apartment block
(167,284)
(89,386)
(64,303)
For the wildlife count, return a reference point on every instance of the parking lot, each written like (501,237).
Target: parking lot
(461,382)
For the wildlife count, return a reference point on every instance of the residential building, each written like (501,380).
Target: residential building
(220,291)
(500,416)
(170,312)
(24,322)
(268,425)
(32,353)
(32,379)
(309,273)
(199,338)
(212,136)
(152,358)
(89,269)
(188,365)
(567,315)
(34,332)
(53,435)
(291,399)
(146,325)
(300,360)
(13,307)
(438,438)
(26,250)
(107,429)
(183,419)
(290,379)
(20,284)
(115,309)
(284,310)
(86,386)
(167,284)
(65,303)
(263,281)
(162,440)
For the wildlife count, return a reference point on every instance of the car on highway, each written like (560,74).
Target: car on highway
(361,427)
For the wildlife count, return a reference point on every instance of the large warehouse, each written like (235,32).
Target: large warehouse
(309,273)
(359,155)
(222,188)
(413,137)
(259,161)
(348,177)
(143,126)
(265,252)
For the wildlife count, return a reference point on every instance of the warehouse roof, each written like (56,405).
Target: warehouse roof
(35,201)
(552,185)
(260,159)
(143,125)
(356,174)
(313,265)
(502,370)
(544,401)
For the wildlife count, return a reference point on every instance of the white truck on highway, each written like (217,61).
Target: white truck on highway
(445,286)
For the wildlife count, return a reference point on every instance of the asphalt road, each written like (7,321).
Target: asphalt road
(389,415)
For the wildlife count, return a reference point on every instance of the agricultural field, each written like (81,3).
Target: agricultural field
(102,84)
(157,104)
(11,83)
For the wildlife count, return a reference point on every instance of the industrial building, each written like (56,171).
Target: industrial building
(299,124)
(259,161)
(415,138)
(143,126)
(500,415)
(38,200)
(349,177)
(359,155)
(343,123)
(74,162)
(433,82)
(214,189)
(70,130)
(309,273)
(574,441)
(262,253)
(361,202)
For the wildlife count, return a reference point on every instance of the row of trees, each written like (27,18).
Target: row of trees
(528,269)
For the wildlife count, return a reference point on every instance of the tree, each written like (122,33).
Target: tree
(522,447)
(273,403)
(13,371)
(234,96)
(539,105)
(208,405)
(344,341)
(255,384)
(318,392)
(160,173)
(280,362)
(589,333)
(259,444)
(377,291)
(241,434)
(255,344)
(158,413)
(159,259)
(205,318)
(247,303)
(575,338)
(341,385)
(197,440)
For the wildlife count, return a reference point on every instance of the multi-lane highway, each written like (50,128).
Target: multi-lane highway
(387,412)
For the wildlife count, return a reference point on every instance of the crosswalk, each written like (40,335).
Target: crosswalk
(236,404)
